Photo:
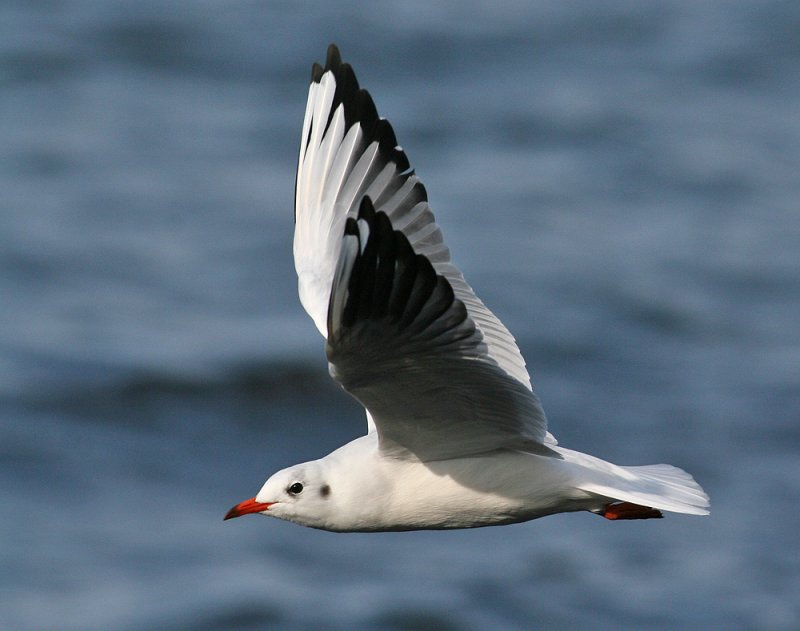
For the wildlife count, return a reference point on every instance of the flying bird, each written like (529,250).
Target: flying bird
(456,437)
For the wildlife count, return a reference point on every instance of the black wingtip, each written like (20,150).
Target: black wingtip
(316,73)
(334,57)
(333,62)
(359,107)
(351,227)
(384,132)
(366,113)
(367,210)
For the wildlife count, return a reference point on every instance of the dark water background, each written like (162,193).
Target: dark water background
(619,182)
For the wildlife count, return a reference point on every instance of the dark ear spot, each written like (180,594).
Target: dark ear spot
(325,491)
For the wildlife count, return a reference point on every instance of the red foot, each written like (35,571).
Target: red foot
(626,510)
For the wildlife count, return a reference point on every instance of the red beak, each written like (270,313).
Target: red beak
(248,506)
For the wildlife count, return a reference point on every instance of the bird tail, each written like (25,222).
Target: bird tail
(659,486)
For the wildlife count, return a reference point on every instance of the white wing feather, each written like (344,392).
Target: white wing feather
(347,153)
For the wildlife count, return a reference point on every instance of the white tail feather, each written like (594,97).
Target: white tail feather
(660,486)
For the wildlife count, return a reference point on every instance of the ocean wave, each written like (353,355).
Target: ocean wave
(263,383)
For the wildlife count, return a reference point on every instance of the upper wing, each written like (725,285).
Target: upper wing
(405,345)
(346,153)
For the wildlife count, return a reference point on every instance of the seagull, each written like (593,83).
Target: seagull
(456,437)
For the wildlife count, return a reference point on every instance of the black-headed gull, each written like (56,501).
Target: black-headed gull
(456,437)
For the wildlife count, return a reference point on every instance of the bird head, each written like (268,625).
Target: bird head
(300,494)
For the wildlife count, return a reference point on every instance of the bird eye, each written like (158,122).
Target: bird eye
(295,489)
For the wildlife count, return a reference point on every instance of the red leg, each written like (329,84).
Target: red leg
(627,510)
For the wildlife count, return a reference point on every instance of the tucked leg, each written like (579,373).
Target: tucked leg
(627,510)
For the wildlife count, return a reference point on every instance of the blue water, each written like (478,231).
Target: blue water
(618,181)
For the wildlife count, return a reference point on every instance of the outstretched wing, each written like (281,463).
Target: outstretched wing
(346,154)
(405,345)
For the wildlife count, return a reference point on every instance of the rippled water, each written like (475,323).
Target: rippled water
(617,180)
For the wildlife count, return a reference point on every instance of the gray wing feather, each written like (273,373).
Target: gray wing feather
(405,345)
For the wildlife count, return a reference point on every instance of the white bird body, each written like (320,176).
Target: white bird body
(456,437)
(369,492)
(372,493)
